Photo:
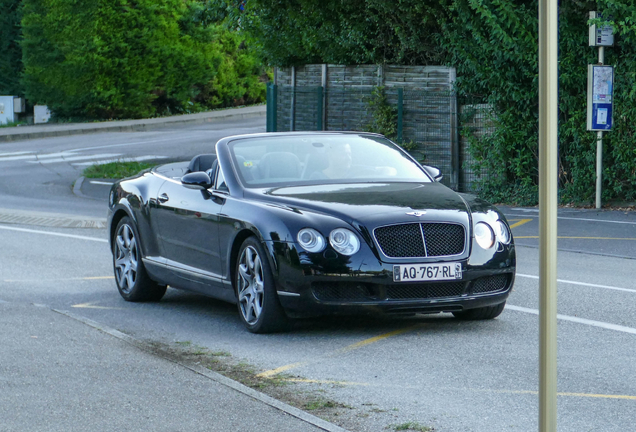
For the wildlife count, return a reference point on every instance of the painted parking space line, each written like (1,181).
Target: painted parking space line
(92,305)
(581,283)
(519,223)
(53,234)
(352,347)
(468,389)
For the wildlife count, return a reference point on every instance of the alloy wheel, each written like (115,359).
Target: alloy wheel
(126,258)
(251,285)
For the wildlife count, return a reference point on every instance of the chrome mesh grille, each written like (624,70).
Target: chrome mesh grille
(401,240)
(443,239)
(490,284)
(405,240)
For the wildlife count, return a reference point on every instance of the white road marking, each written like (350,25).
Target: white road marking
(582,283)
(578,320)
(126,159)
(16,153)
(53,234)
(101,182)
(75,157)
(180,138)
(33,157)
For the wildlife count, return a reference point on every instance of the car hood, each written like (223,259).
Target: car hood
(375,204)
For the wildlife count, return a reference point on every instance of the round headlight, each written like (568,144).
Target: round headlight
(311,240)
(344,241)
(484,235)
(503,234)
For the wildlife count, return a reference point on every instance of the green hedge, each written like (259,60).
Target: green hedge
(133,58)
(493,45)
(10,52)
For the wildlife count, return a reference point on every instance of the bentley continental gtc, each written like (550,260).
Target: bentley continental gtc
(300,224)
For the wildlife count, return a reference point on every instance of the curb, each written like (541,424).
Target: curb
(33,132)
(214,376)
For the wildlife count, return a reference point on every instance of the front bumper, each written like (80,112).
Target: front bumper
(312,286)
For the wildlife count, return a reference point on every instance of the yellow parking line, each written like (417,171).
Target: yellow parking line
(579,238)
(352,347)
(276,371)
(521,222)
(520,392)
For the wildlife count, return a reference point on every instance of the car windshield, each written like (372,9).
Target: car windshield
(311,159)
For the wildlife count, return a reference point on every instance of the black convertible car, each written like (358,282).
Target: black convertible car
(297,224)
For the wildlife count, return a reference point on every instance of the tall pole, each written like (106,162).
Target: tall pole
(548,144)
(599,146)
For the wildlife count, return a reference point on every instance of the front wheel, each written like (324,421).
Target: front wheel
(133,282)
(484,313)
(258,304)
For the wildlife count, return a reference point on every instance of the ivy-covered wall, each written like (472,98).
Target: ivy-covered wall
(493,46)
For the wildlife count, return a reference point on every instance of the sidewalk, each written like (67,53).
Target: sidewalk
(58,373)
(10,134)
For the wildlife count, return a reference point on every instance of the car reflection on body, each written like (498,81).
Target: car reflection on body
(290,225)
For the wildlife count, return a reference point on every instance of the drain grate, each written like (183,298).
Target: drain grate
(47,220)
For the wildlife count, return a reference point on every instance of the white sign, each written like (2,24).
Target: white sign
(600,35)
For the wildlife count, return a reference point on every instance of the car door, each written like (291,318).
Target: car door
(187,224)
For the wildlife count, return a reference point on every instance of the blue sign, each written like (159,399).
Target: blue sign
(600,88)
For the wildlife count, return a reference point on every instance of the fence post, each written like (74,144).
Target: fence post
(400,104)
(271,115)
(319,107)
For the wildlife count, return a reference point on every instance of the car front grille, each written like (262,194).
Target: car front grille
(417,240)
(350,291)
(490,284)
(425,291)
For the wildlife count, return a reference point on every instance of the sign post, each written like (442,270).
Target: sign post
(548,172)
(600,88)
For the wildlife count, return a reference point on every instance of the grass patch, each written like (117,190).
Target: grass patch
(116,170)
(412,426)
(13,124)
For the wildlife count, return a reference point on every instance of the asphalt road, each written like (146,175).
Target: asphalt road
(432,370)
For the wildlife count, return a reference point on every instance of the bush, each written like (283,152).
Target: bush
(10,51)
(124,58)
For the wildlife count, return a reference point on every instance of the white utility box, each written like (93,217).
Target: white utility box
(7,114)
(41,114)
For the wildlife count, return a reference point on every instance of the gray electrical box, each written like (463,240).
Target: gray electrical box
(600,35)
(19,105)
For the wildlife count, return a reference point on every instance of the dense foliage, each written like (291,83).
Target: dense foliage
(493,45)
(10,52)
(133,58)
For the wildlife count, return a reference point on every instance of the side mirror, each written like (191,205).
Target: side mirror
(434,172)
(197,180)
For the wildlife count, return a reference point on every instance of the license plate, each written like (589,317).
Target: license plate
(427,272)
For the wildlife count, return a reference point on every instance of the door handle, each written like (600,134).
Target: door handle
(163,198)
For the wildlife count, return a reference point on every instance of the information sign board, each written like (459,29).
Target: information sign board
(600,89)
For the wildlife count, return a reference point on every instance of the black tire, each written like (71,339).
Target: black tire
(258,304)
(484,313)
(131,277)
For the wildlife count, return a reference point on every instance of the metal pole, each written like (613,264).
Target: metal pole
(400,105)
(599,147)
(292,116)
(548,145)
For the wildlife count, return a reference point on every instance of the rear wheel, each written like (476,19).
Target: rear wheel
(484,313)
(258,304)
(133,282)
